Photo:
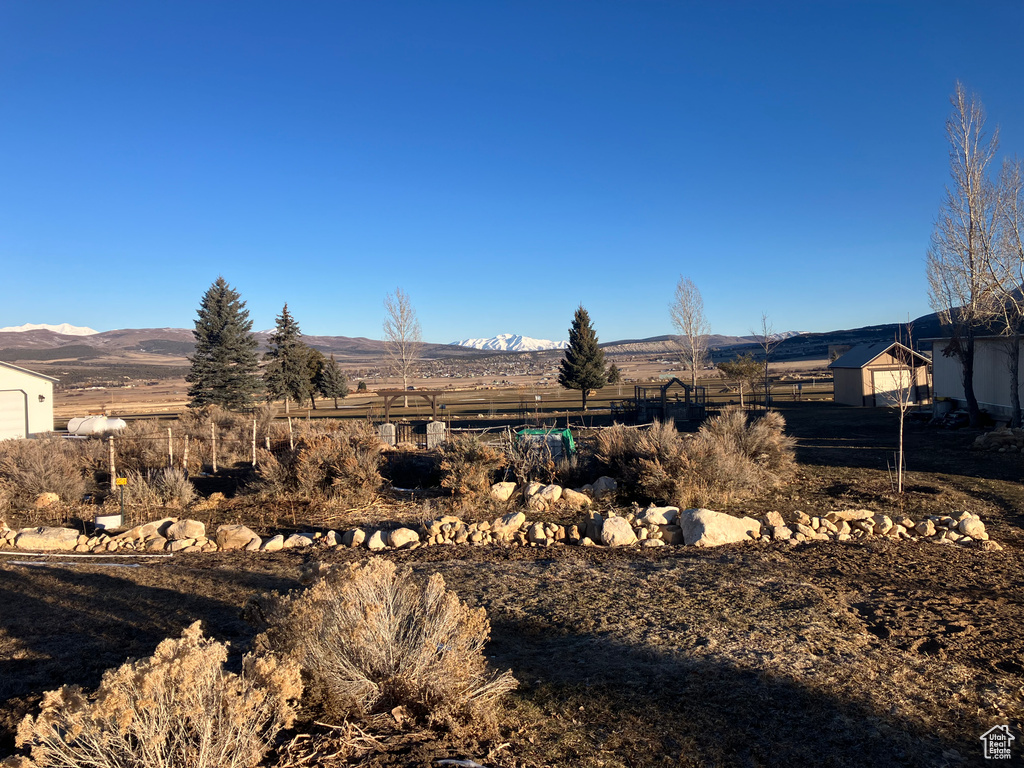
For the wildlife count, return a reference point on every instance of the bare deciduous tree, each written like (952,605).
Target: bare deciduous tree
(402,336)
(687,311)
(768,340)
(1009,272)
(960,271)
(904,395)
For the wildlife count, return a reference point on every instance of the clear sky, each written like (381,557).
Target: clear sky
(502,162)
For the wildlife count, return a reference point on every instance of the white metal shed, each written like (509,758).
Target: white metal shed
(26,402)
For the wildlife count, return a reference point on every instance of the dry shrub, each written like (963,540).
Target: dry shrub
(176,708)
(340,466)
(727,459)
(141,446)
(163,488)
(370,640)
(468,464)
(51,465)
(528,459)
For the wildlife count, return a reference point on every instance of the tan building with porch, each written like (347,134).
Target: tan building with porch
(872,375)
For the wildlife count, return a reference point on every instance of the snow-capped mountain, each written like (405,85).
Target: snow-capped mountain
(511,342)
(63,329)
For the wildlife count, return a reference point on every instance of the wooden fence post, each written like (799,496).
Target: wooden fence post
(213,445)
(291,436)
(254,443)
(113,468)
(170,448)
(184,456)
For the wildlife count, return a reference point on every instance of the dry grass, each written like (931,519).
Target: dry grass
(176,708)
(372,641)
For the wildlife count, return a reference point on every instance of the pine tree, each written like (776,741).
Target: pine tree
(287,373)
(614,375)
(225,367)
(583,365)
(331,382)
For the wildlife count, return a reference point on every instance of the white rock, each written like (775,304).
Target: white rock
(972,527)
(658,516)
(401,537)
(376,542)
(507,525)
(707,528)
(604,486)
(617,532)
(47,539)
(185,529)
(273,544)
(502,491)
(550,493)
(237,537)
(298,540)
(575,499)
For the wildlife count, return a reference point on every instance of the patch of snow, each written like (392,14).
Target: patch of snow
(64,329)
(511,342)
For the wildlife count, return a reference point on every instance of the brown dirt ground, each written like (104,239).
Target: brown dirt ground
(876,654)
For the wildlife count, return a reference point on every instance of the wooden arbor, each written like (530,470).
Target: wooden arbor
(672,400)
(391,395)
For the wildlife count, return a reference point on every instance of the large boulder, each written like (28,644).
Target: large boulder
(550,493)
(149,530)
(604,486)
(506,525)
(402,537)
(237,537)
(353,538)
(617,532)
(502,491)
(575,499)
(658,516)
(47,539)
(273,544)
(185,529)
(707,528)
(376,542)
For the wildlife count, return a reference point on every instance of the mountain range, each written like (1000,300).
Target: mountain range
(511,342)
(171,346)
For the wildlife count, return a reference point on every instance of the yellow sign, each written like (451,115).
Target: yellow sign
(121,481)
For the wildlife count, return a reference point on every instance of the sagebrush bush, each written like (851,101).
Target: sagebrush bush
(176,708)
(166,487)
(340,466)
(468,464)
(727,459)
(50,465)
(369,639)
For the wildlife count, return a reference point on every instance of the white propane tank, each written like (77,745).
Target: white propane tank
(94,425)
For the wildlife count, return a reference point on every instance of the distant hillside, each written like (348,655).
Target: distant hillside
(172,346)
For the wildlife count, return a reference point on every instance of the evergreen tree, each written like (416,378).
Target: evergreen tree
(315,362)
(287,374)
(583,365)
(614,375)
(225,367)
(331,382)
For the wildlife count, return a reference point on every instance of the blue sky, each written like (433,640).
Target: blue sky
(502,162)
